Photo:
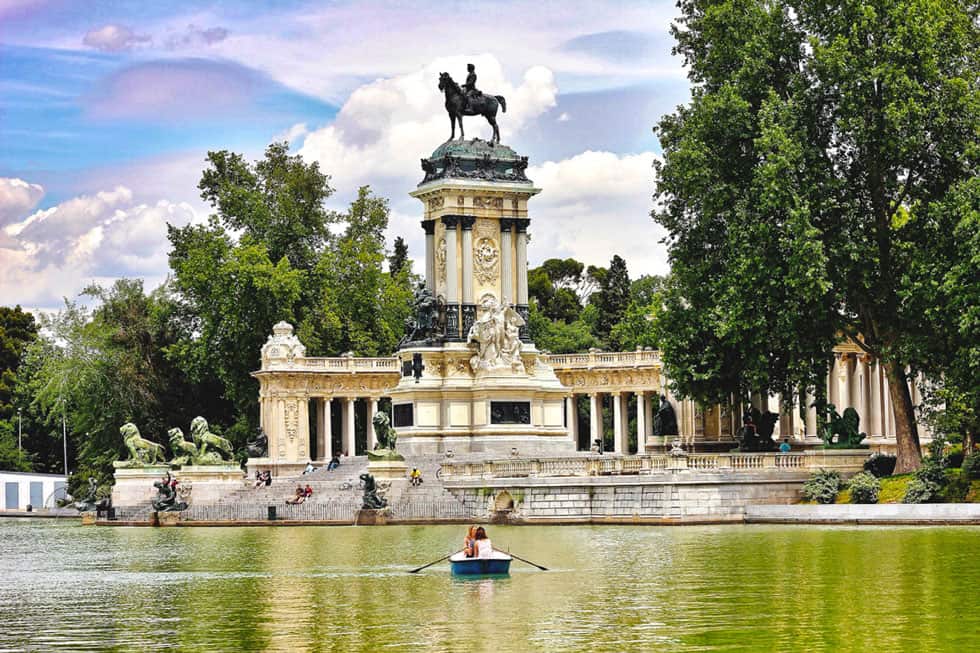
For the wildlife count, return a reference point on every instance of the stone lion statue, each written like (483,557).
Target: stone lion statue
(203,438)
(141,450)
(385,434)
(185,452)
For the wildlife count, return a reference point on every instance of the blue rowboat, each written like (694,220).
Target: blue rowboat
(498,565)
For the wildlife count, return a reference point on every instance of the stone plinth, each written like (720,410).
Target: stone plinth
(386,470)
(208,484)
(134,485)
(367,517)
(277,467)
(88,519)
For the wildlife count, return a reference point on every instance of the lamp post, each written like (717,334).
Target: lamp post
(19,428)
(64,436)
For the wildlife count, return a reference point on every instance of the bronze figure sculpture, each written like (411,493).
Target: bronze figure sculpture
(470,102)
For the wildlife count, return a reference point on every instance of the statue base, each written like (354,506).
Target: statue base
(369,517)
(165,518)
(88,519)
(277,467)
(208,484)
(134,485)
(388,469)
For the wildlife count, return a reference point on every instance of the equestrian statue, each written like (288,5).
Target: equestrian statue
(470,101)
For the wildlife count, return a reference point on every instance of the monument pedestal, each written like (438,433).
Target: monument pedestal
(367,517)
(208,484)
(134,485)
(387,470)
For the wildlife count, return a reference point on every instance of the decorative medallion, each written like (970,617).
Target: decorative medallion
(460,200)
(486,257)
(436,203)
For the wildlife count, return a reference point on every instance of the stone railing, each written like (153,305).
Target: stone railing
(339,364)
(598,359)
(846,461)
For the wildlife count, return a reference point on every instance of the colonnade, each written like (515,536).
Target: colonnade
(855,380)
(325,408)
(620,420)
(459,292)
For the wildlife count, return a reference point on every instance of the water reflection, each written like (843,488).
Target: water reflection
(611,588)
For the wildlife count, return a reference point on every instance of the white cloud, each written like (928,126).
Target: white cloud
(55,252)
(195,37)
(17,198)
(386,126)
(114,38)
(594,205)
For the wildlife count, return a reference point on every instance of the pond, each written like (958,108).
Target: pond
(609,588)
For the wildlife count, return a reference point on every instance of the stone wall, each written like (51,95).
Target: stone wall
(651,499)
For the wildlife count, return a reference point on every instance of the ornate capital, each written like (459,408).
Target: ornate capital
(507,223)
(521,224)
(450,221)
(467,221)
(429,226)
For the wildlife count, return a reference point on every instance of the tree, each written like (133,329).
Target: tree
(794,186)
(398,260)
(17,330)
(612,298)
(637,329)
(360,309)
(277,201)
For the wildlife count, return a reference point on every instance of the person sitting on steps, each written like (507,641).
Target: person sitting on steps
(334,463)
(298,498)
(415,478)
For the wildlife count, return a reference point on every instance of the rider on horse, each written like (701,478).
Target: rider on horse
(472,92)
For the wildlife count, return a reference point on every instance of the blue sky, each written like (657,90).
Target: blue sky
(108,108)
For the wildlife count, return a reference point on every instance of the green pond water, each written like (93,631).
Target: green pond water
(611,588)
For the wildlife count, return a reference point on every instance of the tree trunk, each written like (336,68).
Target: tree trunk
(906,432)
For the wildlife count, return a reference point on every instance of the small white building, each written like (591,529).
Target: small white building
(21,489)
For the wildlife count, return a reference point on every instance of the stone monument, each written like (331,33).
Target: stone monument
(482,385)
(385,462)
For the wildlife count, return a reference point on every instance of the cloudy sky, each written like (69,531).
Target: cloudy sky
(107,110)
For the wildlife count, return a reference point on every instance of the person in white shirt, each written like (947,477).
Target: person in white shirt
(484,549)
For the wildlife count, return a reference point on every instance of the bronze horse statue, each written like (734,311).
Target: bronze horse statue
(459,105)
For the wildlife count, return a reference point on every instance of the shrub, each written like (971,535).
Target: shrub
(971,466)
(822,486)
(920,491)
(880,464)
(864,488)
(954,456)
(932,472)
(957,487)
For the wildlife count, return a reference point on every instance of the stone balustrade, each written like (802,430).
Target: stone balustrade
(845,461)
(602,359)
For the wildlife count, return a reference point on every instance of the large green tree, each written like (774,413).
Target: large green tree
(17,330)
(795,184)
(611,299)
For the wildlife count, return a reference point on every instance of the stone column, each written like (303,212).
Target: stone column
(521,305)
(571,416)
(349,432)
(595,417)
(522,261)
(452,279)
(833,384)
(811,416)
(648,418)
(371,412)
(430,254)
(619,433)
(853,384)
(468,308)
(506,262)
(641,420)
(327,430)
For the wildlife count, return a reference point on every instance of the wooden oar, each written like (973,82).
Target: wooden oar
(533,564)
(415,571)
